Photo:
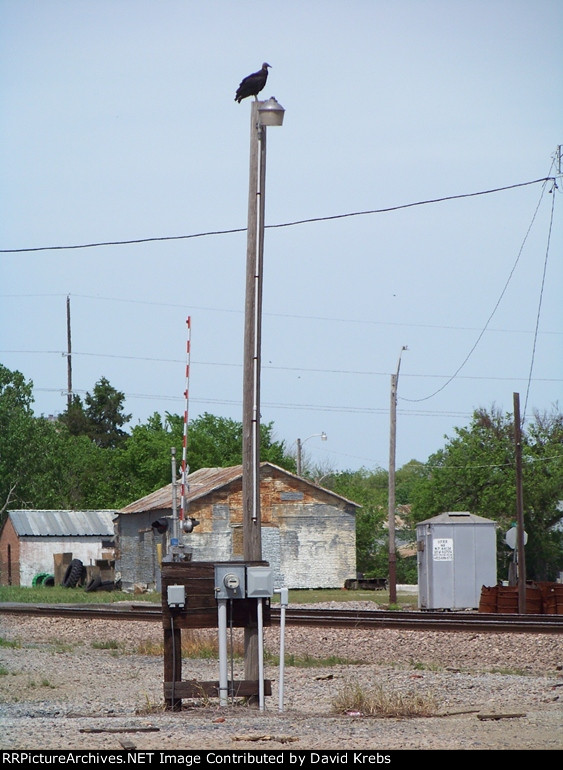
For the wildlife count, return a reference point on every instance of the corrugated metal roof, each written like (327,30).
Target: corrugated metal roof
(200,483)
(63,523)
(204,481)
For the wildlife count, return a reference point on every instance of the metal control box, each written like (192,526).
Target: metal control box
(176,596)
(259,582)
(456,553)
(230,581)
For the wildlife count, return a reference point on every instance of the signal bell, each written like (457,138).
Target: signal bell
(160,525)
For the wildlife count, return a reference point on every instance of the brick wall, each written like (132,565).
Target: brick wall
(9,556)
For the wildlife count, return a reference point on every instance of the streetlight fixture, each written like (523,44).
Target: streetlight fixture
(300,444)
(263,114)
(270,112)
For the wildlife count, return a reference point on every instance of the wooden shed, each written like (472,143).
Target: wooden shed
(30,539)
(308,533)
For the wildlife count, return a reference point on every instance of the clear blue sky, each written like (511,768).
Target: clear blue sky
(119,123)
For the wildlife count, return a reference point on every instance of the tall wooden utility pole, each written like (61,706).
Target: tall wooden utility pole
(391,502)
(68,355)
(252,539)
(519,508)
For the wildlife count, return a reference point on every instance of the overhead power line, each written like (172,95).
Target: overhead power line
(317,370)
(293,223)
(505,287)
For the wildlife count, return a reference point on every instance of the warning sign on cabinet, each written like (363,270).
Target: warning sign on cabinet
(443,549)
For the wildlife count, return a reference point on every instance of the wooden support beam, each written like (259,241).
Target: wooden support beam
(241,688)
(173,665)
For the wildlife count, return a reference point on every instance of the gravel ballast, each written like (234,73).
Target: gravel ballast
(82,684)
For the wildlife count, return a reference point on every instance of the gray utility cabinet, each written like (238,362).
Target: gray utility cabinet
(456,556)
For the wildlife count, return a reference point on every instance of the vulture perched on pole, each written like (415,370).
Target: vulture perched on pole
(252,84)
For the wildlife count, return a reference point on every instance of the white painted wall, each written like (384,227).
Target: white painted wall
(36,554)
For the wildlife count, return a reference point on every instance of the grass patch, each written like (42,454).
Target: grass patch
(379,598)
(110,644)
(510,671)
(62,647)
(43,683)
(149,708)
(61,595)
(308,661)
(7,643)
(4,671)
(374,701)
(426,666)
(196,644)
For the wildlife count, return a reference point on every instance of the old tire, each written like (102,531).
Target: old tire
(106,585)
(73,574)
(94,584)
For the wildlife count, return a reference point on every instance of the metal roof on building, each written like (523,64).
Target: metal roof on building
(205,481)
(456,517)
(31,523)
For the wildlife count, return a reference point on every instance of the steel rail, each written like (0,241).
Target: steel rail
(302,616)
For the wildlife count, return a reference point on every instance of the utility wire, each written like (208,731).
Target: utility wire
(552,191)
(297,316)
(484,329)
(284,224)
(315,370)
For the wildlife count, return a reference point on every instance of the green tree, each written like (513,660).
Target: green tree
(100,417)
(217,442)
(75,419)
(104,412)
(369,489)
(16,438)
(475,472)
(145,458)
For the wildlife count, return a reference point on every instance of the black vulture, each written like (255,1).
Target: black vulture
(251,85)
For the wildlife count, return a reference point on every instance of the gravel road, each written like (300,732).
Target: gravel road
(90,684)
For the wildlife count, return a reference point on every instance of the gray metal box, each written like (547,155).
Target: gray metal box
(456,557)
(176,596)
(230,581)
(259,582)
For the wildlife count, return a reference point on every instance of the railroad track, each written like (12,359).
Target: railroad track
(302,616)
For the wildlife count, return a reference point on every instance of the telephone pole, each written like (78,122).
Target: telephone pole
(68,355)
(519,509)
(391,508)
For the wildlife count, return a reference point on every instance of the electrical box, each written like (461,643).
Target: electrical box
(259,582)
(456,555)
(176,596)
(230,581)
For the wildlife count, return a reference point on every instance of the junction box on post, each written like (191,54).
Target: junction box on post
(190,600)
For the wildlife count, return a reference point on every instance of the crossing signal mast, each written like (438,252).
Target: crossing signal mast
(181,522)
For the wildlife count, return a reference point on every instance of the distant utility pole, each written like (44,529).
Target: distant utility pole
(68,355)
(391,509)
(519,509)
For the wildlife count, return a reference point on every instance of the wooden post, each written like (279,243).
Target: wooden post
(68,356)
(391,510)
(391,501)
(519,508)
(173,664)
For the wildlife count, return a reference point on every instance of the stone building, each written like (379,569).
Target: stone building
(308,533)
